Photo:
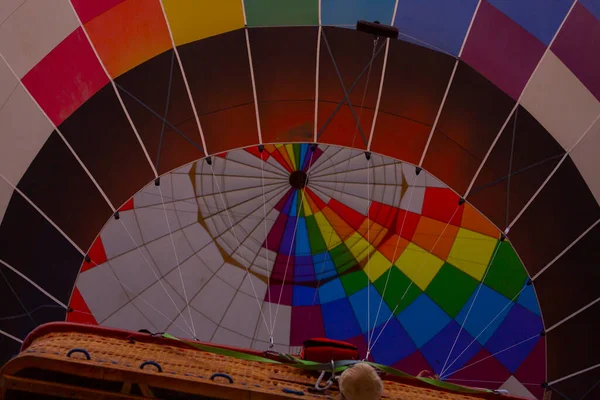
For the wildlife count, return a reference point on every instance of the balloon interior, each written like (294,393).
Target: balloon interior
(244,199)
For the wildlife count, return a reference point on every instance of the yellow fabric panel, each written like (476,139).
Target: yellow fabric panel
(372,231)
(377,266)
(471,252)
(305,204)
(419,265)
(192,20)
(359,246)
(290,151)
(329,234)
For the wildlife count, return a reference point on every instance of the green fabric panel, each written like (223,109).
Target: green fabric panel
(397,284)
(451,289)
(296,148)
(338,366)
(342,258)
(317,244)
(353,282)
(281,12)
(506,274)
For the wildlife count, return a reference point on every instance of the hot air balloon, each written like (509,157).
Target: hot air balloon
(255,174)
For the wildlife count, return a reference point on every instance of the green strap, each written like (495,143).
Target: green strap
(338,366)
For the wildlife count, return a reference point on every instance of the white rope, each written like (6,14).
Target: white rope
(494,355)
(483,330)
(487,270)
(369,255)
(158,278)
(412,281)
(162,200)
(312,152)
(262,173)
(113,276)
(387,279)
(238,243)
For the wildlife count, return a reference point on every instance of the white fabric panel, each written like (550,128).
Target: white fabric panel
(114,235)
(129,318)
(6,193)
(135,270)
(24,131)
(156,305)
(232,275)
(228,338)
(187,212)
(410,174)
(101,291)
(151,194)
(214,299)
(162,251)
(7,7)
(559,101)
(184,170)
(516,388)
(413,199)
(282,324)
(204,327)
(243,314)
(182,187)
(8,82)
(195,275)
(211,256)
(33,30)
(585,157)
(260,287)
(197,236)
(153,222)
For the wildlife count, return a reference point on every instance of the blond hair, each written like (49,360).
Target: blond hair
(360,382)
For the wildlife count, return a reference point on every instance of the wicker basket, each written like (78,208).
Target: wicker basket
(84,362)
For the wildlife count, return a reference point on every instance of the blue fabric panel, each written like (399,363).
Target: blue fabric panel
(518,326)
(305,296)
(361,305)
(528,300)
(423,319)
(339,320)
(393,345)
(441,24)
(541,18)
(347,12)
(487,306)
(437,349)
(324,267)
(592,6)
(331,291)
(302,242)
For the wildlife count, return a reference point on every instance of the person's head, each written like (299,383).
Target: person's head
(360,382)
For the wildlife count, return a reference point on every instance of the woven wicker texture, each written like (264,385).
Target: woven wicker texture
(194,365)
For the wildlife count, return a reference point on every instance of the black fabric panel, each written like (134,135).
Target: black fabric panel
(148,83)
(104,140)
(58,185)
(31,245)
(572,281)
(535,153)
(573,346)
(24,307)
(581,387)
(473,114)
(284,62)
(351,51)
(8,349)
(218,72)
(415,81)
(559,214)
